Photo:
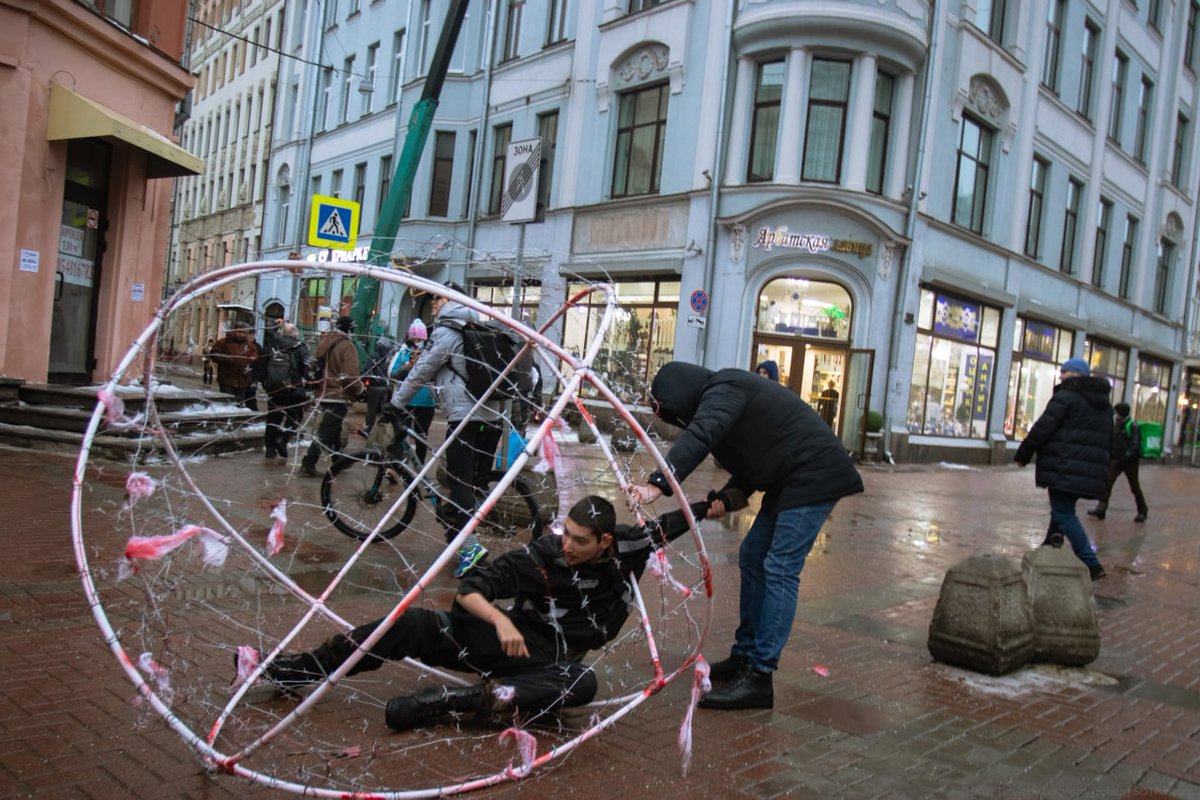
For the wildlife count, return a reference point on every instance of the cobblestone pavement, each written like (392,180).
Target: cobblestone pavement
(885,722)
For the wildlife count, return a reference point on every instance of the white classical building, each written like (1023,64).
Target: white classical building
(218,216)
(914,208)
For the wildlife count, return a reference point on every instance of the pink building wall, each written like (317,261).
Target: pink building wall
(45,41)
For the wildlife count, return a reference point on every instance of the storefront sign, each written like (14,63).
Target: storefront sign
(70,241)
(812,242)
(357,255)
(979,376)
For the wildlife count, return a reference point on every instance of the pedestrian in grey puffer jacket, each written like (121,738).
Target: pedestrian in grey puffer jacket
(443,368)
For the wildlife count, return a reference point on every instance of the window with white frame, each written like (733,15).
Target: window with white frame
(443,174)
(971,174)
(513,11)
(396,79)
(1142,132)
(764,121)
(385,180)
(1162,274)
(881,125)
(360,183)
(335,183)
(347,89)
(1038,349)
(1128,248)
(423,53)
(1054,23)
(1037,199)
(368,98)
(989,18)
(1099,253)
(641,130)
(547,125)
(828,99)
(1119,67)
(1109,361)
(953,365)
(1189,40)
(1179,150)
(556,23)
(1066,255)
(501,136)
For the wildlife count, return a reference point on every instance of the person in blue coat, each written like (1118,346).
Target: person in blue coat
(772,442)
(1071,440)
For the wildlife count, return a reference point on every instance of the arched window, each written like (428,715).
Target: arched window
(804,307)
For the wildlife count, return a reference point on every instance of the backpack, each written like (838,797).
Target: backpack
(488,348)
(280,373)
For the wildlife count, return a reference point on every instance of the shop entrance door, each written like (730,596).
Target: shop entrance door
(80,250)
(857,391)
(816,372)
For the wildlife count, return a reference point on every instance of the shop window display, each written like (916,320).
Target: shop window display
(801,307)
(953,366)
(1151,390)
(1038,349)
(1110,362)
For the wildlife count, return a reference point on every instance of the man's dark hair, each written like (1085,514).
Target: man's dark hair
(594,513)
(1122,409)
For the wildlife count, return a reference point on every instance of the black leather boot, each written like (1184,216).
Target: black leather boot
(412,711)
(1099,511)
(727,668)
(750,689)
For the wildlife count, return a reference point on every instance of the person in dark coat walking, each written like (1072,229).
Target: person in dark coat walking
(1071,440)
(770,441)
(1126,454)
(287,397)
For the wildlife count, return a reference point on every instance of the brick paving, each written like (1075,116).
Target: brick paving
(887,721)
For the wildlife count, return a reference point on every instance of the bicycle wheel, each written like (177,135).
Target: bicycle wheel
(516,511)
(358,491)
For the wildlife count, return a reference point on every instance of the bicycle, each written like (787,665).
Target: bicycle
(360,488)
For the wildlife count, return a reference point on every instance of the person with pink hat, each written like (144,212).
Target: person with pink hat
(422,404)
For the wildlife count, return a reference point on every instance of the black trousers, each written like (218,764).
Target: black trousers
(377,396)
(329,432)
(283,420)
(1130,470)
(463,642)
(469,459)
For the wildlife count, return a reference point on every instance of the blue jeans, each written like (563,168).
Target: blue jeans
(770,560)
(1064,520)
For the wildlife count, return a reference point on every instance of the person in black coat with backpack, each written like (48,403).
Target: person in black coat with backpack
(1126,455)
(281,372)
(773,442)
(1071,440)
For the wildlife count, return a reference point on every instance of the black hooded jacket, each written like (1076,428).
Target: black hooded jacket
(768,438)
(1072,438)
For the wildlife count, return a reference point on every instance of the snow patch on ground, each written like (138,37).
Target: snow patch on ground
(1048,678)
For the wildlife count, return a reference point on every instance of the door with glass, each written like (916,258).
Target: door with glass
(857,390)
(80,250)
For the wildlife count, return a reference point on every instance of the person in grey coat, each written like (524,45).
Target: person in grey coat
(1071,440)
(442,367)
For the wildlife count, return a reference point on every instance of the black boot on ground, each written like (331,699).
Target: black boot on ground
(1141,515)
(414,710)
(727,668)
(1099,511)
(291,672)
(750,689)
(1097,572)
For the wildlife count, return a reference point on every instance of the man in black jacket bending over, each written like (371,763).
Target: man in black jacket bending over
(1071,440)
(570,596)
(771,441)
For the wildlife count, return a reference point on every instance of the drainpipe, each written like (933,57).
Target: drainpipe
(710,258)
(910,225)
(485,115)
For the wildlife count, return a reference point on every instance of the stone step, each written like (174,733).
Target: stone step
(167,397)
(196,418)
(131,448)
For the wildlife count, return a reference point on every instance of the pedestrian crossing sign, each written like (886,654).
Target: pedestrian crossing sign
(333,223)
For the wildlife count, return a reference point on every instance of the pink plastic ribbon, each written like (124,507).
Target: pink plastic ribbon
(550,455)
(114,411)
(662,570)
(152,548)
(162,678)
(526,747)
(137,486)
(700,685)
(275,537)
(247,662)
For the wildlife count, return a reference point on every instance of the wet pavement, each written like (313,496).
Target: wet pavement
(861,710)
